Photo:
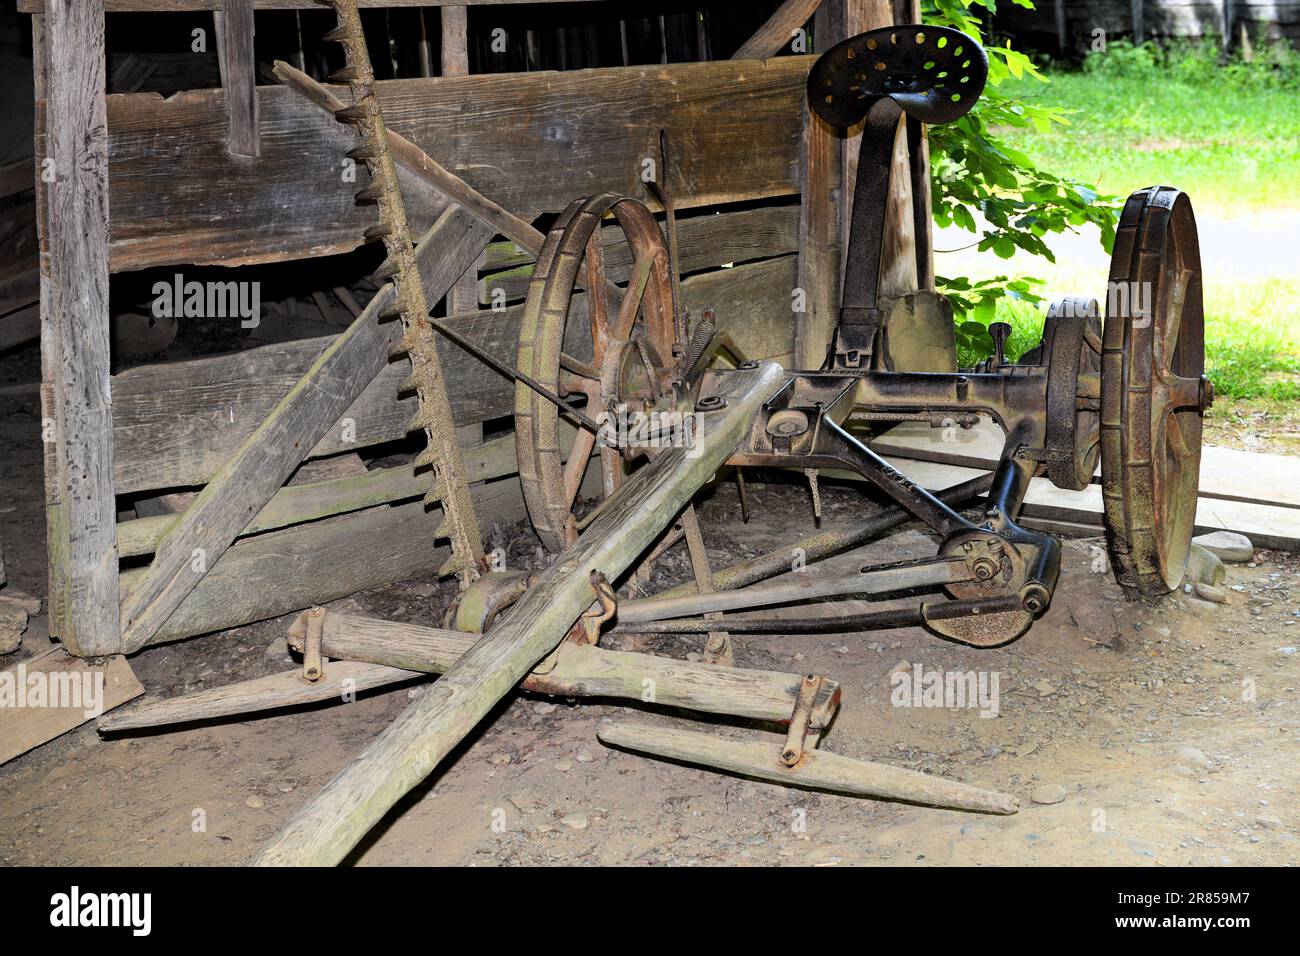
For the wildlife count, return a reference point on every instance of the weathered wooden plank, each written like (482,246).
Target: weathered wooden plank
(331,824)
(819,220)
(235,32)
(264,461)
(179,197)
(776,33)
(704,242)
(819,769)
(1267,526)
(174,424)
(271,574)
(16,177)
(75,355)
(71,692)
(1226,473)
(455,62)
(22,325)
(314,500)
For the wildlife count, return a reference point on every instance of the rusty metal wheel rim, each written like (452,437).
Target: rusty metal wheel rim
(1153,391)
(1073,391)
(644,312)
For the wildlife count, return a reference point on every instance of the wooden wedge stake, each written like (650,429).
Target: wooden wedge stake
(817,769)
(333,822)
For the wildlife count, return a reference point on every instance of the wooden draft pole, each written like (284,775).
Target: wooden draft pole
(368,652)
(76,393)
(332,823)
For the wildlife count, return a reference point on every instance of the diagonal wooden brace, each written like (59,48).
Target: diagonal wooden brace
(332,823)
(268,456)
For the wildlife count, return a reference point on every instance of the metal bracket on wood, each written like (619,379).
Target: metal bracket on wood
(800,719)
(313,661)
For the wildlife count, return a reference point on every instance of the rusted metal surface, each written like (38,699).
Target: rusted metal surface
(800,717)
(442,454)
(313,663)
(1153,390)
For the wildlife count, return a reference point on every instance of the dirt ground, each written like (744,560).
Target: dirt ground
(1172,731)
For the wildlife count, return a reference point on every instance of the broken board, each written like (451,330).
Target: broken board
(29,688)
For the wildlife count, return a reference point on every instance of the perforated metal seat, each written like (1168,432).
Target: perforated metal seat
(934,73)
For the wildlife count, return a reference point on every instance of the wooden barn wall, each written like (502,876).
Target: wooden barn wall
(531,142)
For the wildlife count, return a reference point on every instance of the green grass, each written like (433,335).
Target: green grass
(1252,343)
(1228,136)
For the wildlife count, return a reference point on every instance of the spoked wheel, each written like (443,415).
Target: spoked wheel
(629,356)
(1153,391)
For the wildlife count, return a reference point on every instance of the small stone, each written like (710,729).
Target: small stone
(902,667)
(28,602)
(285,788)
(1227,545)
(255,802)
(1203,567)
(1210,593)
(564,765)
(543,708)
(1193,756)
(583,756)
(277,649)
(1269,822)
(1044,688)
(13,622)
(500,759)
(575,821)
(1048,793)
(1286,651)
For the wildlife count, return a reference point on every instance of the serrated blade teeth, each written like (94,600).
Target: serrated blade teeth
(362,153)
(351,114)
(345,75)
(453,565)
(369,196)
(338,35)
(378,231)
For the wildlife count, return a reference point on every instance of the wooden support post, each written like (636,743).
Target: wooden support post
(819,221)
(234,30)
(817,769)
(776,34)
(267,457)
(332,823)
(374,652)
(455,62)
(76,397)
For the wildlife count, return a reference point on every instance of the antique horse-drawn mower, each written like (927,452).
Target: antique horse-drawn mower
(1129,394)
